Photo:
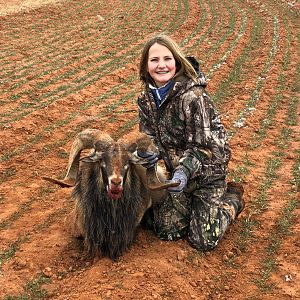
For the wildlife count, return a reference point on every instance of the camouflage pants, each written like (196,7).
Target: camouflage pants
(203,215)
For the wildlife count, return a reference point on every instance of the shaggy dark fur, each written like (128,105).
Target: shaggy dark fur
(109,225)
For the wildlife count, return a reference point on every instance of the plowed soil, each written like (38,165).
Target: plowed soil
(71,64)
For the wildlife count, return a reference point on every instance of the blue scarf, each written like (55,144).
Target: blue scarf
(160,94)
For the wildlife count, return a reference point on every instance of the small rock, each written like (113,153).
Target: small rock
(138,274)
(195,262)
(19,263)
(225,258)
(227,288)
(100,18)
(181,255)
(230,254)
(288,277)
(193,284)
(48,272)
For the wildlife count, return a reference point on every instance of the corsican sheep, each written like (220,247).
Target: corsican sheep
(111,191)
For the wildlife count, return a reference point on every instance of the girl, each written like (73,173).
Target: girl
(177,112)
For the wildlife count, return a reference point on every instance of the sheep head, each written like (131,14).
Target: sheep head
(114,157)
(116,161)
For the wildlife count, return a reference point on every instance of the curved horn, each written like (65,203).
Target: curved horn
(137,140)
(84,140)
(87,139)
(141,141)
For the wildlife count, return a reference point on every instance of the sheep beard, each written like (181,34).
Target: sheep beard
(109,225)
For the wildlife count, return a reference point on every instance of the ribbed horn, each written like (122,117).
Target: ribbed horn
(84,140)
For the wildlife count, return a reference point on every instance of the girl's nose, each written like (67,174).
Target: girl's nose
(161,64)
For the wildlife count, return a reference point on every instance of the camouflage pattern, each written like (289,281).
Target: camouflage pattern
(211,214)
(188,127)
(204,215)
(171,218)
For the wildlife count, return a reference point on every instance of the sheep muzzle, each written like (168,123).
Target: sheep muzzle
(114,191)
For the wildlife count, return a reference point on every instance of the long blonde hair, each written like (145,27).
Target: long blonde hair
(182,64)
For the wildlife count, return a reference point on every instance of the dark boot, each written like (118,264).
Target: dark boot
(234,194)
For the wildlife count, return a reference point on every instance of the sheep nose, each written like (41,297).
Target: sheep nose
(116,181)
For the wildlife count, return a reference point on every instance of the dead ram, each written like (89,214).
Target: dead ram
(111,191)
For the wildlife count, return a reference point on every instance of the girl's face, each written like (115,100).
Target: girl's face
(161,64)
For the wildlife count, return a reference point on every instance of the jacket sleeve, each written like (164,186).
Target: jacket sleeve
(145,121)
(206,140)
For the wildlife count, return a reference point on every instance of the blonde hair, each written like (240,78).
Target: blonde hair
(182,64)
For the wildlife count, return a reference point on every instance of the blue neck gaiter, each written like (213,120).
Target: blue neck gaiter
(161,93)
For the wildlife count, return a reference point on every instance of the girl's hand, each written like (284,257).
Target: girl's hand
(150,157)
(179,176)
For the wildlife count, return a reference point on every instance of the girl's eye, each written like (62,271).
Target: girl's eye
(153,59)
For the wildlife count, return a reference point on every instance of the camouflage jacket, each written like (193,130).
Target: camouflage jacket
(186,126)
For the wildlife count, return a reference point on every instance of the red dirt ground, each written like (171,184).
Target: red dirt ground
(67,64)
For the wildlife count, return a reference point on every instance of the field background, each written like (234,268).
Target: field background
(71,64)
